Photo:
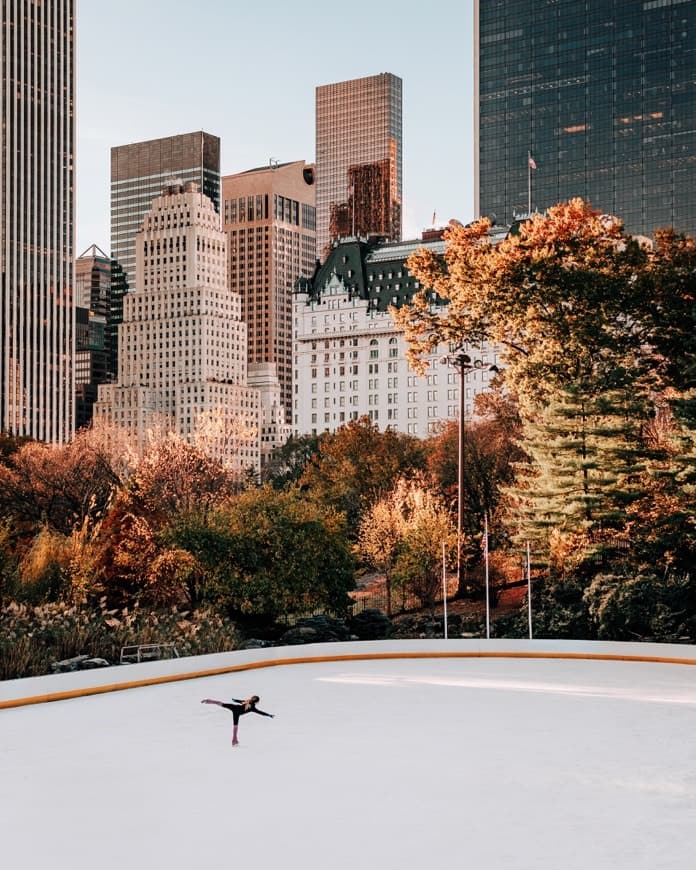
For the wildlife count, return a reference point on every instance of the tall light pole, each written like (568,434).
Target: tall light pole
(464,364)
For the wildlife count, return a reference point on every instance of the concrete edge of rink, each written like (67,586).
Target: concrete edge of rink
(59,687)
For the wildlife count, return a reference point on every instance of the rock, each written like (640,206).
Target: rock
(316,629)
(254,643)
(420,626)
(370,624)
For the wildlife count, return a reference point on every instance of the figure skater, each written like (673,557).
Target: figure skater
(239,708)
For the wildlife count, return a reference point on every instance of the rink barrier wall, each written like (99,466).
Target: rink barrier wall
(61,687)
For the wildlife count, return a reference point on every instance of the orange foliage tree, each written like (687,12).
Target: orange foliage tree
(357,464)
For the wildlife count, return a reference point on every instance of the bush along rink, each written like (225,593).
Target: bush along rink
(33,638)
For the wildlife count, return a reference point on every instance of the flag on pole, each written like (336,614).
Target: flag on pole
(434,218)
(532,164)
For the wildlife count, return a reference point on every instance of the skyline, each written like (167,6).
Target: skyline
(274,59)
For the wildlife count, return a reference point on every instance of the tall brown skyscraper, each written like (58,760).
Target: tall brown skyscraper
(37,140)
(359,160)
(269,216)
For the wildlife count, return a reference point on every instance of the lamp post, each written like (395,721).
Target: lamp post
(464,364)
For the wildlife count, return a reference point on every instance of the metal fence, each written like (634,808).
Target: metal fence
(402,601)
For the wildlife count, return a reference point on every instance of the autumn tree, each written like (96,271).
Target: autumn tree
(402,535)
(580,311)
(286,555)
(173,579)
(8,562)
(128,547)
(490,451)
(174,477)
(668,286)
(381,533)
(357,464)
(58,486)
(10,444)
(288,462)
(560,297)
(224,438)
(43,567)
(428,526)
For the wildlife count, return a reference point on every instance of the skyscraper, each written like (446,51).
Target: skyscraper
(36,219)
(92,299)
(270,220)
(359,159)
(139,172)
(183,358)
(599,97)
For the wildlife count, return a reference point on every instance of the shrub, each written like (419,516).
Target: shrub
(644,607)
(33,637)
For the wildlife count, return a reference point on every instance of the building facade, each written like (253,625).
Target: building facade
(92,299)
(359,134)
(139,172)
(601,96)
(37,313)
(183,349)
(269,216)
(350,359)
(274,430)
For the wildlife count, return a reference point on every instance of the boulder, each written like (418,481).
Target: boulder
(316,629)
(254,643)
(370,624)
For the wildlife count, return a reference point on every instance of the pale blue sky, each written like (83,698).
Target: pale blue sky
(246,72)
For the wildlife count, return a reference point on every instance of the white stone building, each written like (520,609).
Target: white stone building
(182,344)
(273,430)
(350,359)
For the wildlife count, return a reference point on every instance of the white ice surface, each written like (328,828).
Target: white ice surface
(502,764)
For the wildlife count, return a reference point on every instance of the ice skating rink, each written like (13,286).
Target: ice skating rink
(488,764)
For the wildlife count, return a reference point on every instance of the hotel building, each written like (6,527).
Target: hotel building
(350,359)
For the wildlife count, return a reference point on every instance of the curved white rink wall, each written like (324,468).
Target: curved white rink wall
(54,687)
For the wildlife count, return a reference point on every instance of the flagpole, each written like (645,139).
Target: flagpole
(529,183)
(488,602)
(444,588)
(529,592)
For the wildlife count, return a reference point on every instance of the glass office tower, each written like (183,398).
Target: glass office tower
(139,173)
(93,282)
(600,95)
(37,315)
(359,160)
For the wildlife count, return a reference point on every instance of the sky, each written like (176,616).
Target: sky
(247,72)
(503,764)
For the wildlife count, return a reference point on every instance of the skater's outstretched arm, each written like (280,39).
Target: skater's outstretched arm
(261,713)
